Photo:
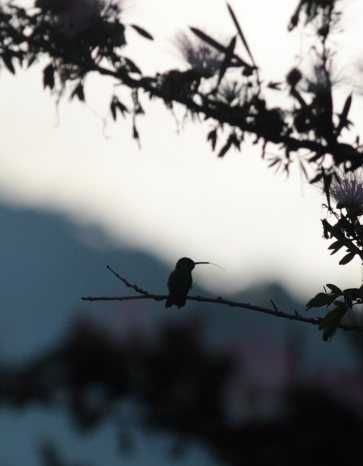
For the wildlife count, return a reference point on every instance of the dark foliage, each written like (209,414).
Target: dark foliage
(179,388)
(311,124)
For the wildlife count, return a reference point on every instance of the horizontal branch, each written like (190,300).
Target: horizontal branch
(273,312)
(210,111)
(219,111)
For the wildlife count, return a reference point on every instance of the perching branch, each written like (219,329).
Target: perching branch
(274,312)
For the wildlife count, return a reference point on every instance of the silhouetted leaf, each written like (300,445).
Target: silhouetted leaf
(355,293)
(117,105)
(334,289)
(122,108)
(235,141)
(336,246)
(320,300)
(226,147)
(276,86)
(132,67)
(48,77)
(212,137)
(142,32)
(113,109)
(8,62)
(346,107)
(31,60)
(202,35)
(78,92)
(332,320)
(316,178)
(343,117)
(274,162)
(227,60)
(239,29)
(347,258)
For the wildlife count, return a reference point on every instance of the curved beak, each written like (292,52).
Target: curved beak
(210,263)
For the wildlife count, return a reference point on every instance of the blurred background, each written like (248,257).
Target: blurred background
(103,383)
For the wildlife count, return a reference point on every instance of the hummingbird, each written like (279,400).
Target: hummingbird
(180,281)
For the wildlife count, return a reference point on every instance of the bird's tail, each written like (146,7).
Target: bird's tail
(176,300)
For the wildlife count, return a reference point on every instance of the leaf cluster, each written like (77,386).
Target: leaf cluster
(341,301)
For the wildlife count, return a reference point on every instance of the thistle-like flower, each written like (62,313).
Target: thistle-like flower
(203,58)
(231,92)
(347,191)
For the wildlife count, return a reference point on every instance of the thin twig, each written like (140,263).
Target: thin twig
(130,285)
(274,305)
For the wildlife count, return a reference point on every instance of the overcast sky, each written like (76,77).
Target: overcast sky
(173,197)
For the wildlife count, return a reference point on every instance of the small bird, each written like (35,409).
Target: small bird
(180,281)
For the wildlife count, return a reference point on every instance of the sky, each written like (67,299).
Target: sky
(172,196)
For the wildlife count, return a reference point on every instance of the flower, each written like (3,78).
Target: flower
(347,190)
(203,58)
(231,92)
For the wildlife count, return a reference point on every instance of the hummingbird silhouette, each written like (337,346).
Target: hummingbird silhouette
(180,281)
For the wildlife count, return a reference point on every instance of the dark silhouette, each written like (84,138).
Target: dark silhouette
(180,282)
(180,387)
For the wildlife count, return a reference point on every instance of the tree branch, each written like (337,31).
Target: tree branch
(274,312)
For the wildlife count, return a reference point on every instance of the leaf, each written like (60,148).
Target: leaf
(117,105)
(334,289)
(31,60)
(317,178)
(320,300)
(235,141)
(8,63)
(78,92)
(132,67)
(276,86)
(346,108)
(208,39)
(122,108)
(202,35)
(135,133)
(142,32)
(48,77)
(225,148)
(331,321)
(274,161)
(227,60)
(239,29)
(343,117)
(336,246)
(113,109)
(212,137)
(347,258)
(355,293)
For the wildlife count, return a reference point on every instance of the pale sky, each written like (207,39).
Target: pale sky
(173,197)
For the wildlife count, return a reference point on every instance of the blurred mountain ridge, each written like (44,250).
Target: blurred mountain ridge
(49,262)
